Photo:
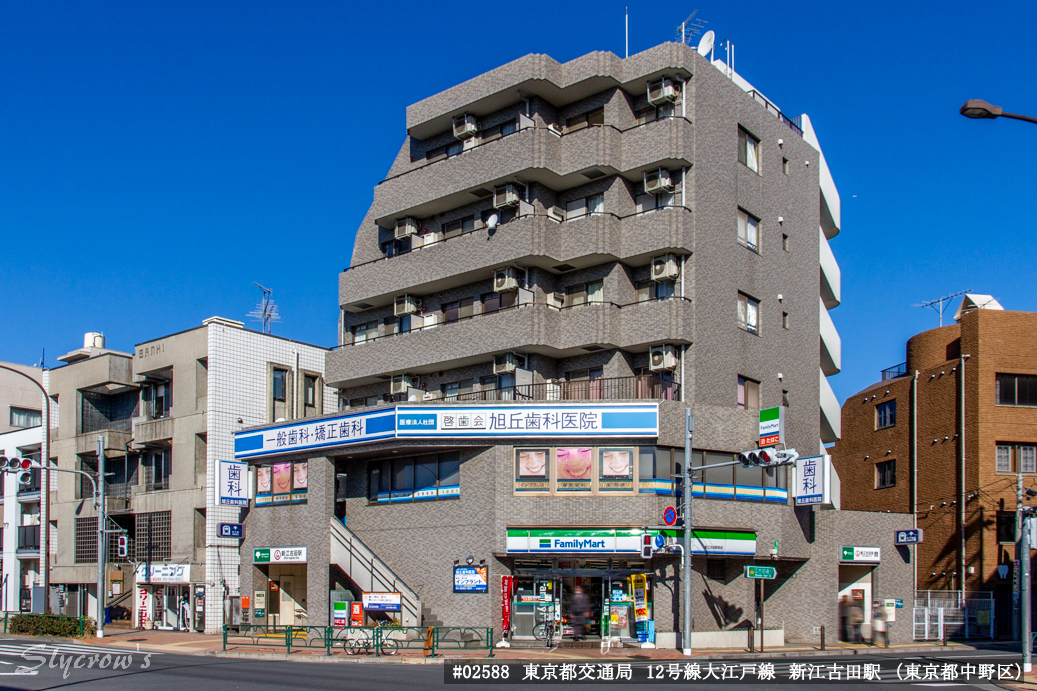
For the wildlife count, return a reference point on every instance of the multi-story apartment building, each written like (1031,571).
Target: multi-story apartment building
(561,260)
(20,400)
(166,413)
(966,401)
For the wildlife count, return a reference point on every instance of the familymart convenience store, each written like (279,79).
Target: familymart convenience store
(609,565)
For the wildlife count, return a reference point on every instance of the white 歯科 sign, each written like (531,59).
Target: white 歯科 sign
(234,485)
(162,573)
(812,481)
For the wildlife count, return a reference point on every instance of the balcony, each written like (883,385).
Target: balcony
(831,276)
(895,371)
(536,154)
(831,344)
(147,431)
(535,327)
(28,537)
(638,387)
(532,241)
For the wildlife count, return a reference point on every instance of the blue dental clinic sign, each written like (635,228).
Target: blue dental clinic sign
(453,422)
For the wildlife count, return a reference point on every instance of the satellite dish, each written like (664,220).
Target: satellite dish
(492,220)
(706,42)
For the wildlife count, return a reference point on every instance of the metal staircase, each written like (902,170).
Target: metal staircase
(370,573)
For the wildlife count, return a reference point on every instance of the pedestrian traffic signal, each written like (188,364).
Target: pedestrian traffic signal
(124,546)
(646,546)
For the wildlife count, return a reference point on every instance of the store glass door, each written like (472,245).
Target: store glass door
(533,603)
(592,589)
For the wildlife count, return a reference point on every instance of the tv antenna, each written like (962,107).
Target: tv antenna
(266,311)
(689,28)
(939,304)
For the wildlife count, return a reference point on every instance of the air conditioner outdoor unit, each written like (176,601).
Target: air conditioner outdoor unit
(505,279)
(558,298)
(662,91)
(556,213)
(658,180)
(406,304)
(402,382)
(465,126)
(505,196)
(665,267)
(662,357)
(505,363)
(405,227)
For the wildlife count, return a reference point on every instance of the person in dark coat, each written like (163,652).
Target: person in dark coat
(581,606)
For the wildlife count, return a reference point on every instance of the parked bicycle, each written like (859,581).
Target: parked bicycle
(364,641)
(544,631)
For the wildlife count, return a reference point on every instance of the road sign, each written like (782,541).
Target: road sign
(232,530)
(909,537)
(669,515)
(659,541)
(761,572)
(899,603)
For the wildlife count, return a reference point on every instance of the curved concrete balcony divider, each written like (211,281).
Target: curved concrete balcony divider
(533,328)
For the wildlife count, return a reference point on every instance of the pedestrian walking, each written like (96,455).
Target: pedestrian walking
(844,618)
(856,619)
(581,605)
(879,626)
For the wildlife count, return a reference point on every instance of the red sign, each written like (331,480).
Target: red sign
(356,614)
(506,584)
(771,440)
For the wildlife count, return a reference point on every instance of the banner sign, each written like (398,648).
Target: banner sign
(640,586)
(453,421)
(163,573)
(279,555)
(381,602)
(865,554)
(812,481)
(772,426)
(471,579)
(505,602)
(234,485)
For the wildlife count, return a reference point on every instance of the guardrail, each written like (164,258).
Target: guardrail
(353,640)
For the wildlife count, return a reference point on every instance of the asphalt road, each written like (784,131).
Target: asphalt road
(71,666)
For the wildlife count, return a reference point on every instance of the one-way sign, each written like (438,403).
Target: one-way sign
(909,537)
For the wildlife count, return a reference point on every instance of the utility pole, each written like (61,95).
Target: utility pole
(1016,577)
(1025,587)
(102,520)
(689,428)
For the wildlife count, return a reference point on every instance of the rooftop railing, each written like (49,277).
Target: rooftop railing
(795,124)
(895,371)
(638,387)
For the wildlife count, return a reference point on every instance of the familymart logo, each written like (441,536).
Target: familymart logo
(575,544)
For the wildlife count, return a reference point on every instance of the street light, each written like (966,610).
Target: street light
(978,109)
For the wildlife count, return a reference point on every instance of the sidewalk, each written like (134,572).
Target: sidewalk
(201,644)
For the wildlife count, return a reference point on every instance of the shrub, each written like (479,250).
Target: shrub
(49,625)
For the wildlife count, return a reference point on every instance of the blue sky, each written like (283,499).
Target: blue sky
(157,158)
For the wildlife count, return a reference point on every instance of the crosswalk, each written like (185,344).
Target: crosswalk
(19,657)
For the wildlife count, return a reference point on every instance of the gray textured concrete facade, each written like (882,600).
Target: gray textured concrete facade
(585,217)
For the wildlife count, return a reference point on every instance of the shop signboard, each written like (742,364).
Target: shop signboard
(506,583)
(640,588)
(603,420)
(909,537)
(356,614)
(341,610)
(772,426)
(279,555)
(861,554)
(812,480)
(535,599)
(163,573)
(574,540)
(381,602)
(721,542)
(471,579)
(234,484)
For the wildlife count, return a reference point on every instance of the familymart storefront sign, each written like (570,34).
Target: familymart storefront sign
(618,540)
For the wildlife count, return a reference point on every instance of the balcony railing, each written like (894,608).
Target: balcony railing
(28,537)
(552,305)
(795,124)
(895,371)
(637,387)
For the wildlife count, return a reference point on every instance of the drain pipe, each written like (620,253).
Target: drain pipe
(914,473)
(961,469)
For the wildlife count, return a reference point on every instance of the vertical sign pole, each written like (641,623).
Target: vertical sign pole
(101,520)
(689,427)
(1024,568)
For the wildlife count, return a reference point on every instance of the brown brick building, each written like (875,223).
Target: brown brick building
(992,352)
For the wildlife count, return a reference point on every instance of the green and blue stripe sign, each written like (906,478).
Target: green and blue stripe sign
(558,420)
(618,540)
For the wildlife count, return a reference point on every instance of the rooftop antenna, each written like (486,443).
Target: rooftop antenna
(939,304)
(266,311)
(689,28)
(627,54)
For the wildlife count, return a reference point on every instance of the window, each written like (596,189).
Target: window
(503,215)
(784,320)
(578,208)
(785,242)
(1012,458)
(280,384)
(364,402)
(584,384)
(748,394)
(886,414)
(498,131)
(309,391)
(748,231)
(461,225)
(156,470)
(396,247)
(584,293)
(748,150)
(103,411)
(434,476)
(87,464)
(1006,527)
(459,309)
(645,116)
(748,313)
(785,165)
(361,334)
(886,474)
(86,540)
(1016,389)
(645,203)
(452,390)
(592,117)
(23,417)
(397,325)
(445,151)
(494,302)
(153,539)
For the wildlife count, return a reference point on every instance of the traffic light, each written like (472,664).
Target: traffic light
(124,546)
(22,466)
(646,546)
(767,458)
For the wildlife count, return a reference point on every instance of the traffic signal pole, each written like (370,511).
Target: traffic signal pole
(102,521)
(689,428)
